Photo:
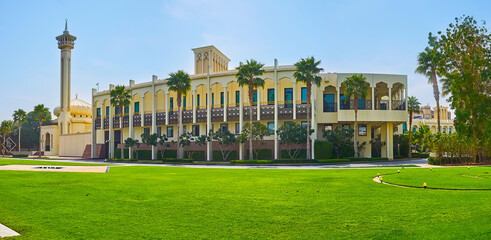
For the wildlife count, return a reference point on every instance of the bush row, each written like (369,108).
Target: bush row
(449,160)
(20,155)
(420,155)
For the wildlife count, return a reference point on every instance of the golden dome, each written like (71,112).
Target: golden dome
(77,107)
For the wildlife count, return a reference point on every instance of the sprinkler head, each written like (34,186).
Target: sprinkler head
(398,171)
(424,185)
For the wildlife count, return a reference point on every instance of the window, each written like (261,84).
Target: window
(183,129)
(271,127)
(171,103)
(304,124)
(116,111)
(362,130)
(288,98)
(254,97)
(195,130)
(342,103)
(212,99)
(137,107)
(271,96)
(450,130)
(237,98)
(444,129)
(184,102)
(170,131)
(327,127)
(224,127)
(404,127)
(197,100)
(146,131)
(361,104)
(126,110)
(304,95)
(345,126)
(222,98)
(107,111)
(98,112)
(237,128)
(159,131)
(329,104)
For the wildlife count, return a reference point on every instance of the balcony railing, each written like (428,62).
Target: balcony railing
(381,104)
(350,105)
(398,105)
(98,123)
(137,120)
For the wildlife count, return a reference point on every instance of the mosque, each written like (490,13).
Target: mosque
(71,134)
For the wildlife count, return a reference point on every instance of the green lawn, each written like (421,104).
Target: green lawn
(450,177)
(43,162)
(144,202)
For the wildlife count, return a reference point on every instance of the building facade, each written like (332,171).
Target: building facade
(216,101)
(427,116)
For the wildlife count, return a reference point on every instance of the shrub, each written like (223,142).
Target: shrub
(117,153)
(20,155)
(322,149)
(365,159)
(302,153)
(420,155)
(262,154)
(168,153)
(251,161)
(175,160)
(332,160)
(197,155)
(449,160)
(294,161)
(217,155)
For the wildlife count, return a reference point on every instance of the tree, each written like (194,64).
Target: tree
(130,143)
(162,141)
(5,128)
(465,49)
(428,66)
(20,117)
(412,107)
(120,97)
(259,131)
(179,82)
(341,140)
(41,114)
(306,72)
(292,133)
(150,139)
(356,86)
(421,137)
(248,75)
(225,140)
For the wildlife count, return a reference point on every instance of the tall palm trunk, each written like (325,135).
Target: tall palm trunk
(40,138)
(251,89)
(436,93)
(121,111)
(355,143)
(180,152)
(309,93)
(410,131)
(20,126)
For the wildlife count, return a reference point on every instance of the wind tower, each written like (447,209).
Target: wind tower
(65,44)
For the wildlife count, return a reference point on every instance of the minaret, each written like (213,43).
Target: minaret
(65,44)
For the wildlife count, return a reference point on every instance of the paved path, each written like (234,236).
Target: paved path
(418,162)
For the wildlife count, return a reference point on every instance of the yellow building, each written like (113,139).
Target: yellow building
(427,116)
(72,132)
(216,101)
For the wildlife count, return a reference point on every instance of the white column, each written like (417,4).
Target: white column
(258,104)
(111,133)
(390,98)
(275,80)
(313,124)
(338,101)
(225,103)
(405,96)
(130,122)
(194,106)
(142,112)
(373,98)
(154,116)
(166,95)
(94,131)
(209,145)
(294,99)
(241,122)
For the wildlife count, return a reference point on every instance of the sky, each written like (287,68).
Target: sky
(122,40)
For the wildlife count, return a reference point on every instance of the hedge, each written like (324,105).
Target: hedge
(197,155)
(322,149)
(294,161)
(168,153)
(175,160)
(332,160)
(301,155)
(217,155)
(251,161)
(420,155)
(20,155)
(449,160)
(365,159)
(262,154)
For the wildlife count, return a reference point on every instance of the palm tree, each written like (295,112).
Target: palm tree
(122,98)
(307,70)
(412,107)
(41,113)
(248,75)
(357,86)
(5,128)
(179,82)
(20,117)
(427,66)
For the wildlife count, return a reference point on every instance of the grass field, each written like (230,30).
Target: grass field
(188,203)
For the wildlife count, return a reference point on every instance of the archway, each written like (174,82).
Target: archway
(47,142)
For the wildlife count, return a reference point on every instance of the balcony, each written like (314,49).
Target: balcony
(330,107)
(98,123)
(187,116)
(147,117)
(106,123)
(399,105)
(381,104)
(302,110)
(350,105)
(137,120)
(160,118)
(217,114)
(233,113)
